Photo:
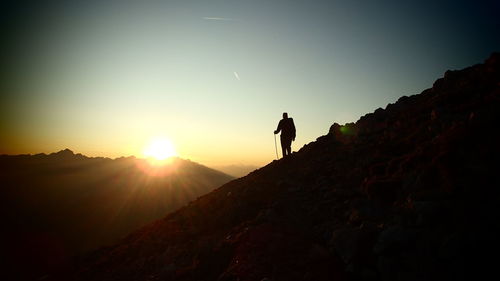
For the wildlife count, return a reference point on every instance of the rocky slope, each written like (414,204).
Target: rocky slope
(55,206)
(409,192)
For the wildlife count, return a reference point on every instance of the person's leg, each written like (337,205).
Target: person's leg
(289,150)
(287,147)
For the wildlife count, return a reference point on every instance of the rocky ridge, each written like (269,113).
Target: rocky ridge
(56,206)
(409,192)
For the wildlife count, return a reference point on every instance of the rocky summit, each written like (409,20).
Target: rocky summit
(409,192)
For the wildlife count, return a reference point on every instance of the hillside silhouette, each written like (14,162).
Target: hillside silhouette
(409,192)
(59,205)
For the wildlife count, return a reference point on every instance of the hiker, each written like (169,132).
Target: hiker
(287,129)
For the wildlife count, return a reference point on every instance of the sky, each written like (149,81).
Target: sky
(103,78)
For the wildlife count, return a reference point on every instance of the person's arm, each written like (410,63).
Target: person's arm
(293,130)
(279,127)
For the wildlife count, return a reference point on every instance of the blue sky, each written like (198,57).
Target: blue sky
(104,77)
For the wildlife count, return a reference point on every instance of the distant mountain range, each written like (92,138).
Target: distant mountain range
(236,170)
(62,204)
(409,192)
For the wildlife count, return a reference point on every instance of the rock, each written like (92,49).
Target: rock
(383,191)
(395,239)
(354,246)
(429,212)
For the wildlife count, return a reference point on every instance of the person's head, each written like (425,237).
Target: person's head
(285,115)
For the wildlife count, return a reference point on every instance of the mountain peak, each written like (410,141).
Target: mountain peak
(64,152)
(59,205)
(406,193)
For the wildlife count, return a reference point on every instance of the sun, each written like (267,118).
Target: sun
(159,148)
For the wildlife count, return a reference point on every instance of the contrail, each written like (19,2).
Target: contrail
(218,18)
(236,75)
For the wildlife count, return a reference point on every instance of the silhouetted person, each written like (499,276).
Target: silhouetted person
(287,129)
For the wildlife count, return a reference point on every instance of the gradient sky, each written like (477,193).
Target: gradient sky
(104,77)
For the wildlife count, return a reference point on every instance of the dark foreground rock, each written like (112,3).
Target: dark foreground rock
(409,192)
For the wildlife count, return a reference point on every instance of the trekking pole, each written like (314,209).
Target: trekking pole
(276,147)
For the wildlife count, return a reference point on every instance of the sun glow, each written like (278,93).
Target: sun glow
(159,149)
